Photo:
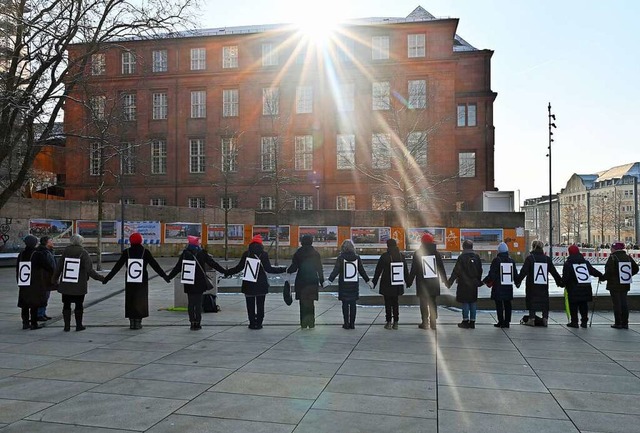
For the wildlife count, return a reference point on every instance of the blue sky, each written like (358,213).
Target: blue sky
(582,56)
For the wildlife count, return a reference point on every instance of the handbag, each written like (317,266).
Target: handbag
(286,293)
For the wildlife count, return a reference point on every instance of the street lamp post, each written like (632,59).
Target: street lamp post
(318,196)
(551,125)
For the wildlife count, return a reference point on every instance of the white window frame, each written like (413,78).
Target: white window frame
(304,99)
(270,101)
(269,54)
(381,151)
(346,202)
(128,201)
(198,104)
(128,63)
(127,158)
(345,151)
(268,153)
(380,202)
(267,203)
(380,47)
(160,61)
(346,97)
(158,156)
(98,64)
(158,201)
(198,59)
(417,94)
(95,161)
(303,202)
(467,115)
(303,152)
(229,151)
(230,100)
(467,164)
(380,96)
(197,162)
(196,202)
(229,57)
(416,45)
(417,145)
(160,105)
(229,202)
(129,107)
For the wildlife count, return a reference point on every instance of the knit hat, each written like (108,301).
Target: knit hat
(30,241)
(257,239)
(503,248)
(193,240)
(135,238)
(573,249)
(617,246)
(305,240)
(427,238)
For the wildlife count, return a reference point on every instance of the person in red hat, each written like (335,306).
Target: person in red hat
(254,265)
(136,285)
(618,271)
(428,271)
(576,276)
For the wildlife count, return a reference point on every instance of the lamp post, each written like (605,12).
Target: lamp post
(551,125)
(318,196)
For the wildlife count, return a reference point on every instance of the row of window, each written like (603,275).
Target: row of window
(380,93)
(380,49)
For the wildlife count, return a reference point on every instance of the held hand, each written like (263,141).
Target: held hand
(326,284)
(167,279)
(105,281)
(370,284)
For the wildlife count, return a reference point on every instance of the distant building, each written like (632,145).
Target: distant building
(536,218)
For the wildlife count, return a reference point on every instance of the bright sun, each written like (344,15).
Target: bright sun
(318,27)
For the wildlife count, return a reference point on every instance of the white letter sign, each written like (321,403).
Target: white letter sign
(71,270)
(24,274)
(582,273)
(251,269)
(188,275)
(540,273)
(397,273)
(350,271)
(429,267)
(134,270)
(506,274)
(624,270)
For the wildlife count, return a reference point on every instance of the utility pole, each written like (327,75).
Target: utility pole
(551,125)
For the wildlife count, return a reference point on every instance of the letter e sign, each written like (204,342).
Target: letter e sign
(188,275)
(71,270)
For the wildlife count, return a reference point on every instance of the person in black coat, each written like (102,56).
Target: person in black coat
(500,279)
(618,284)
(576,278)
(33,295)
(468,273)
(255,264)
(46,249)
(201,282)
(136,293)
(427,279)
(537,284)
(348,266)
(308,263)
(391,289)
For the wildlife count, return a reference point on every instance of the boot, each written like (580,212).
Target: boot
(472,324)
(464,324)
(572,324)
(66,316)
(345,325)
(79,326)
(545,322)
(505,325)
(137,324)
(132,324)
(34,324)
(193,326)
(387,325)
(498,325)
(25,319)
(395,324)
(196,326)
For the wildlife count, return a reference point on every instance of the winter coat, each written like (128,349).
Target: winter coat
(468,272)
(383,272)
(348,290)
(537,295)
(203,258)
(612,273)
(35,294)
(578,292)
(427,286)
(136,295)
(46,273)
(500,292)
(261,286)
(86,271)
(308,263)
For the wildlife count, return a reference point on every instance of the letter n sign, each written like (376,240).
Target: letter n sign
(350,271)
(624,270)
(429,267)
(397,273)
(188,275)
(24,274)
(506,274)
(582,273)
(134,270)
(540,273)
(251,269)
(71,270)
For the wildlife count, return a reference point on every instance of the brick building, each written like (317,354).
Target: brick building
(386,113)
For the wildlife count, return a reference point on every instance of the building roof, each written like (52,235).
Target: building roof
(630,169)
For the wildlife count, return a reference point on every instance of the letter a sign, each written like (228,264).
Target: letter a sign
(397,273)
(251,269)
(350,271)
(134,270)
(582,273)
(188,275)
(71,270)
(24,274)
(429,267)
(540,273)
(624,270)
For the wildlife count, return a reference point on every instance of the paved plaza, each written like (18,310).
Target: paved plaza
(228,378)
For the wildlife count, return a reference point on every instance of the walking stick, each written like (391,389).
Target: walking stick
(593,307)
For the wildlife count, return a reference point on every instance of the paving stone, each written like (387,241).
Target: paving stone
(152,388)
(485,367)
(591,382)
(388,369)
(276,385)
(490,381)
(179,373)
(42,390)
(48,427)
(119,356)
(480,355)
(14,410)
(321,421)
(79,371)
(19,361)
(597,401)
(420,389)
(208,358)
(296,355)
(376,355)
(464,422)
(199,424)
(296,368)
(373,404)
(604,422)
(577,366)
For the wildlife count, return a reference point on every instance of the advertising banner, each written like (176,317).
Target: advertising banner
(235,234)
(56,229)
(150,231)
(375,237)
(323,236)
(268,234)
(176,233)
(89,230)
(483,239)
(414,236)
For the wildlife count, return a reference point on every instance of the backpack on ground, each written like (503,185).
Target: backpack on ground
(209,304)
(537,321)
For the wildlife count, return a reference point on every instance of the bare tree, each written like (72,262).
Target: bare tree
(37,74)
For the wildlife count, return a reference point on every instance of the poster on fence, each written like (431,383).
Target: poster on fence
(89,230)
(268,234)
(373,237)
(56,229)
(414,236)
(483,239)
(235,234)
(150,231)
(176,233)
(323,236)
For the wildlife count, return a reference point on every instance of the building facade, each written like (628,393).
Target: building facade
(393,113)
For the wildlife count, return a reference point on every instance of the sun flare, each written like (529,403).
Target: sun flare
(317,27)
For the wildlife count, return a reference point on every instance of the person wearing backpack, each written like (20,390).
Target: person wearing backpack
(427,269)
(136,286)
(500,279)
(191,265)
(618,272)
(576,276)
(33,274)
(392,272)
(468,273)
(536,269)
(348,266)
(307,263)
(255,264)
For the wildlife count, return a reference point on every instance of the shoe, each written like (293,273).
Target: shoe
(42,319)
(78,315)
(472,324)
(36,326)
(252,326)
(615,326)
(46,317)
(624,326)
(66,316)
(583,325)
(422,326)
(352,326)
(505,325)
(572,325)
(432,326)
(26,325)
(345,326)
(197,326)
(137,324)
(132,324)
(312,326)
(498,325)
(258,326)
(464,324)
(192,327)
(545,322)
(395,325)
(387,325)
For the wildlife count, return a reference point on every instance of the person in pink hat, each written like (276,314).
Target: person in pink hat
(618,272)
(254,265)
(576,276)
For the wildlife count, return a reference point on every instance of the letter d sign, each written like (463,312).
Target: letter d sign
(350,272)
